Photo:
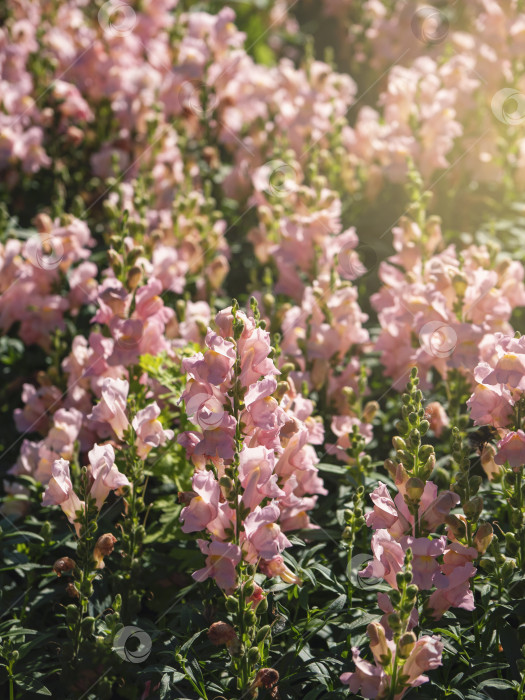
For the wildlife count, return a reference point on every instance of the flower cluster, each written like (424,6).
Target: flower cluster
(438,309)
(234,398)
(104,477)
(498,397)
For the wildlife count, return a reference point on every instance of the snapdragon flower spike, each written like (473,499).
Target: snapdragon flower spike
(245,424)
(409,521)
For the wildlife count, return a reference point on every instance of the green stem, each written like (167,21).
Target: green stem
(11,682)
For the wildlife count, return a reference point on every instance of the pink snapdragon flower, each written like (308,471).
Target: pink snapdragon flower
(264,538)
(389,558)
(369,679)
(453,590)
(424,563)
(203,507)
(256,465)
(221,560)
(511,449)
(112,407)
(276,461)
(105,474)
(425,656)
(277,567)
(437,417)
(65,430)
(59,492)
(395,516)
(149,430)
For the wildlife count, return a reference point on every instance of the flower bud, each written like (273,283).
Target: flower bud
(134,254)
(133,277)
(232,604)
(378,643)
(263,634)
(43,223)
(347,533)
(483,537)
(88,625)
(412,591)
(398,443)
(460,284)
(414,488)
(103,548)
(63,565)
(475,483)
(249,588)
(262,607)
(473,508)
(394,621)
(406,644)
(370,411)
(253,655)
(424,452)
(508,568)
(457,526)
(487,565)
(72,614)
(115,260)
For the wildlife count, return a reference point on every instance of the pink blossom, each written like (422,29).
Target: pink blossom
(453,591)
(221,560)
(203,507)
(105,474)
(263,535)
(149,430)
(112,407)
(511,449)
(60,492)
(277,567)
(424,564)
(256,475)
(66,427)
(490,405)
(389,558)
(438,418)
(369,679)
(425,655)
(457,555)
